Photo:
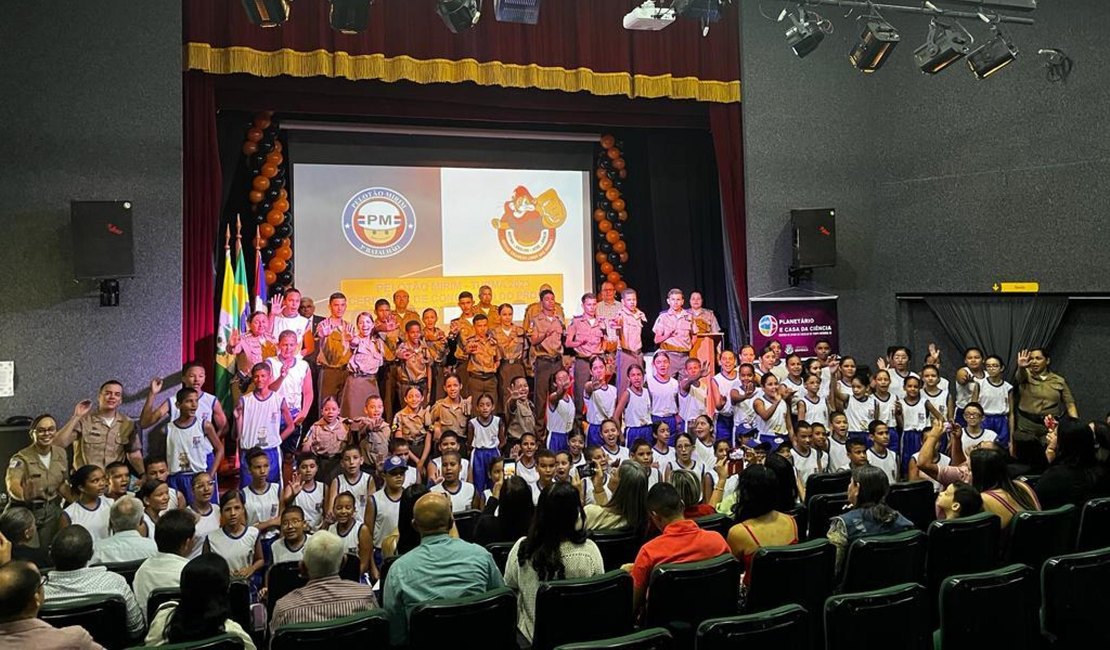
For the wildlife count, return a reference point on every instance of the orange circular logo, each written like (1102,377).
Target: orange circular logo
(526,227)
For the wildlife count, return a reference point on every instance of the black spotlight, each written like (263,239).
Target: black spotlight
(109,293)
(992,56)
(805,32)
(267,13)
(459,15)
(876,43)
(350,16)
(944,45)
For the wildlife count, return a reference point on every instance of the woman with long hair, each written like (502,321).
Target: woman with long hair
(1002,495)
(787,483)
(689,486)
(508,512)
(556,548)
(1074,474)
(870,515)
(760,522)
(203,610)
(627,508)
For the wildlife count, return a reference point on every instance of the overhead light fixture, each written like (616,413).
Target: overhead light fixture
(703,11)
(525,12)
(459,15)
(944,45)
(267,13)
(350,16)
(876,43)
(805,32)
(992,56)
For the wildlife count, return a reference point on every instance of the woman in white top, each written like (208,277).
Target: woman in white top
(202,611)
(206,514)
(91,509)
(601,400)
(555,549)
(234,540)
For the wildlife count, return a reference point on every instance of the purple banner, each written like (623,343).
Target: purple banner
(798,323)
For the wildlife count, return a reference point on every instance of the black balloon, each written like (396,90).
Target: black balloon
(268,252)
(618,144)
(612,215)
(283,230)
(277,182)
(285,278)
(619,265)
(618,225)
(276,241)
(260,218)
(265,147)
(612,174)
(257,160)
(606,164)
(265,206)
(614,258)
(272,194)
(255,171)
(606,247)
(604,205)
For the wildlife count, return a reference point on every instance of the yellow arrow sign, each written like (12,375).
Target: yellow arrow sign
(1016,287)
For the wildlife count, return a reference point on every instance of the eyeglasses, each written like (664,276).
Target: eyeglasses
(45,430)
(43,579)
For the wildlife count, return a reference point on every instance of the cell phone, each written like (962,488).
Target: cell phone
(586,471)
(509,468)
(1050,422)
(736,454)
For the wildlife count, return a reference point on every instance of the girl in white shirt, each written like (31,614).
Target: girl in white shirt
(634,408)
(773,422)
(811,406)
(601,400)
(662,452)
(91,508)
(560,411)
(611,435)
(663,389)
(488,437)
(995,395)
(861,408)
(155,496)
(290,548)
(235,541)
(206,514)
(354,533)
(704,439)
(262,499)
(684,459)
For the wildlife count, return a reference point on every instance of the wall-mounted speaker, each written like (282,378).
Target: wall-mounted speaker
(103,245)
(814,237)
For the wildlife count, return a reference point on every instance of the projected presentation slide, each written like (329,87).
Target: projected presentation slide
(436,231)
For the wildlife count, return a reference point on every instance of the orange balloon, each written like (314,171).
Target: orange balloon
(620,286)
(620,246)
(256,196)
(618,164)
(285,252)
(613,153)
(624,257)
(608,141)
(612,194)
(606,268)
(605,225)
(612,236)
(283,194)
(275,217)
(250,148)
(622,215)
(618,204)
(600,257)
(613,277)
(274,158)
(271,277)
(600,173)
(266,230)
(281,204)
(254,135)
(262,122)
(599,214)
(623,173)
(605,183)
(277,265)
(269,171)
(277,146)
(261,183)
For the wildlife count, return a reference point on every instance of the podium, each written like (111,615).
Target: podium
(704,348)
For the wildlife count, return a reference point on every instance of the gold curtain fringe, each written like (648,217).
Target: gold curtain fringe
(321,63)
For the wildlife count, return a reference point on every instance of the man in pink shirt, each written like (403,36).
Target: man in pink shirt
(674,331)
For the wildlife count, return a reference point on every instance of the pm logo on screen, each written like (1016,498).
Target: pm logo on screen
(379,222)
(768,325)
(526,227)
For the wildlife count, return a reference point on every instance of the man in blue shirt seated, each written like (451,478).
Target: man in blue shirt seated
(440,567)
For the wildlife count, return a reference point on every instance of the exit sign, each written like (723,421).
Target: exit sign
(1016,287)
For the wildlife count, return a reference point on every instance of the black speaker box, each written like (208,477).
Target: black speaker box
(814,237)
(102,239)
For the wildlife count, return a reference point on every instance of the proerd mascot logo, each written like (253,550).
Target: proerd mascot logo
(526,228)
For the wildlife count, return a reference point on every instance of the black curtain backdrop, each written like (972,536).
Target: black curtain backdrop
(999,325)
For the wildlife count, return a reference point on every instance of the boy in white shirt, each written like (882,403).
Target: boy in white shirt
(460,492)
(879,455)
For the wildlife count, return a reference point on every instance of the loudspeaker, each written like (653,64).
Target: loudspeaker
(102,241)
(814,237)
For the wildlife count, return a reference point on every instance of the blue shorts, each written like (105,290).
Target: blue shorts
(593,435)
(999,424)
(556,442)
(724,427)
(480,460)
(910,445)
(632,434)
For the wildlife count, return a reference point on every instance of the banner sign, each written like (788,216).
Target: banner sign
(797,322)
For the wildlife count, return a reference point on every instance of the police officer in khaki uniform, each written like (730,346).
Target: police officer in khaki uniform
(484,361)
(36,479)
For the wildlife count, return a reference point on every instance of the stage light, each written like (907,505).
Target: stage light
(459,15)
(267,13)
(806,31)
(944,45)
(526,12)
(876,43)
(992,56)
(703,11)
(350,16)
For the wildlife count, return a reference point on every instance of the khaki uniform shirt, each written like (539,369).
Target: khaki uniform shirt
(403,318)
(466,330)
(591,335)
(551,327)
(521,418)
(449,416)
(325,439)
(391,339)
(436,341)
(486,356)
(681,324)
(1044,394)
(511,343)
(631,330)
(410,426)
(40,482)
(333,350)
(412,363)
(99,444)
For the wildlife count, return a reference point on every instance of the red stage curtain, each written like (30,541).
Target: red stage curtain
(576,46)
(724,123)
(200,219)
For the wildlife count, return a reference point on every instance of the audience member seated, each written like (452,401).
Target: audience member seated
(680,541)
(203,611)
(440,567)
(1002,495)
(556,548)
(691,490)
(627,507)
(507,514)
(958,500)
(72,576)
(126,543)
(17,525)
(174,537)
(21,597)
(326,596)
(869,516)
(786,479)
(1073,474)
(760,523)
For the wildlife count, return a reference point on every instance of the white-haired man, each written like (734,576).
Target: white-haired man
(126,544)
(326,596)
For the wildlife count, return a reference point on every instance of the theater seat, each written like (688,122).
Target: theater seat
(281,579)
(500,553)
(1075,598)
(991,609)
(720,523)
(916,501)
(782,628)
(465,521)
(125,569)
(349,570)
(1094,525)
(104,617)
(802,573)
(221,642)
(618,547)
(822,508)
(369,629)
(1036,536)
(239,599)
(680,596)
(883,561)
(560,601)
(655,638)
(956,546)
(834,483)
(441,623)
(798,512)
(159,597)
(893,618)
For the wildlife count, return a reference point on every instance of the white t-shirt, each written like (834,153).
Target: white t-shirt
(725,386)
(205,525)
(187,448)
(898,382)
(485,436)
(238,551)
(859,412)
(617,457)
(994,398)
(464,467)
(705,453)
(360,489)
(350,539)
(297,324)
(939,402)
(692,404)
(664,459)
(601,403)
(809,464)
(838,454)
(282,552)
(386,512)
(637,412)
(886,410)
(293,384)
(461,499)
(968,441)
(261,421)
(914,416)
(774,425)
(260,507)
(561,418)
(664,396)
(206,406)
(530,474)
(963,391)
(312,502)
(888,462)
(94,520)
(816,412)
